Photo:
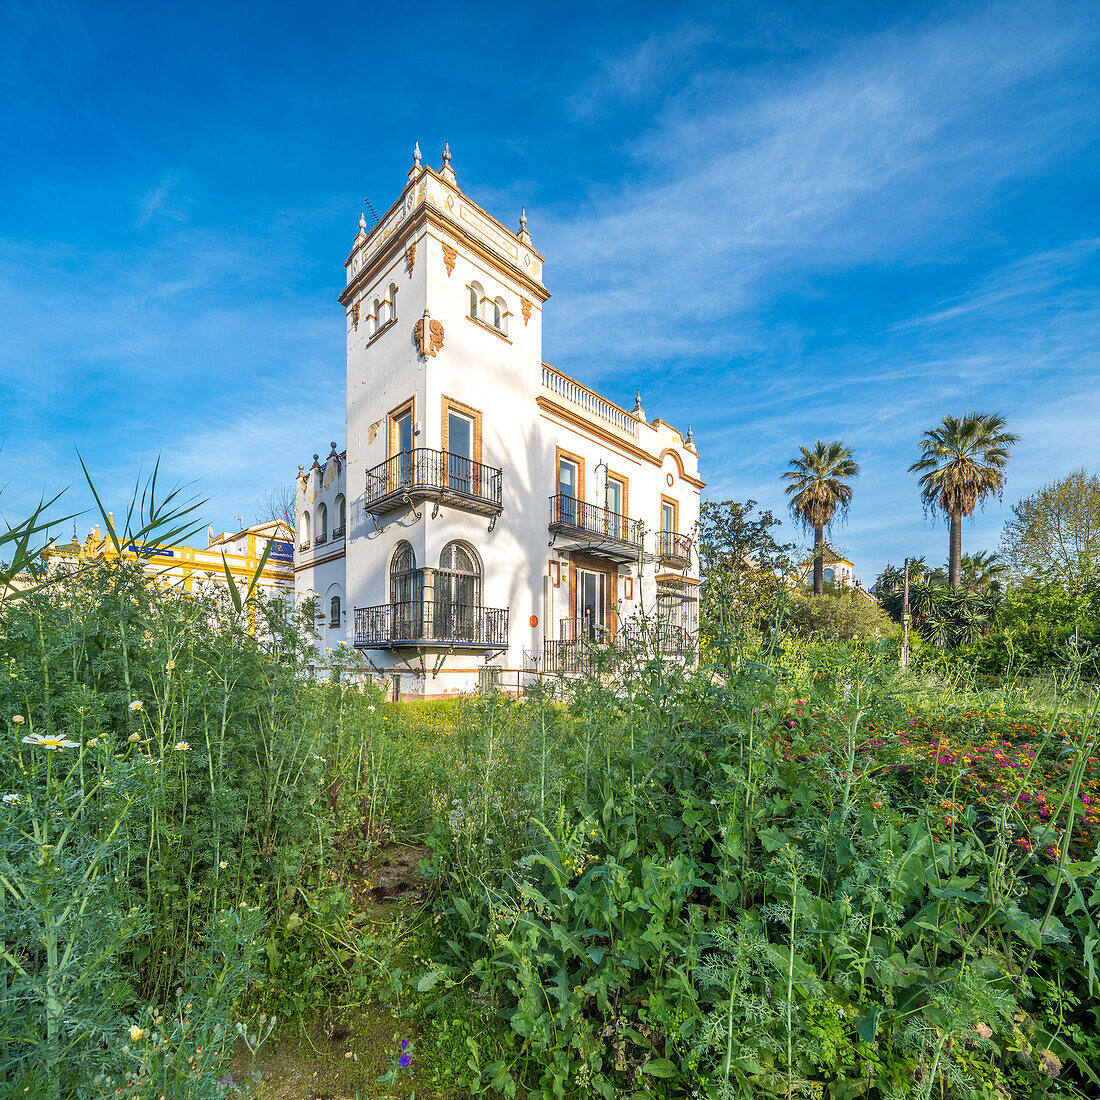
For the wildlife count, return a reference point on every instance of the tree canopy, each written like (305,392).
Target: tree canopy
(1055,532)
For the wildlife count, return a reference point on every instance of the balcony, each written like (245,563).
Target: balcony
(423,474)
(596,531)
(422,624)
(338,532)
(321,540)
(303,546)
(586,647)
(673,550)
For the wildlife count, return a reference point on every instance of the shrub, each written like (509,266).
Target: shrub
(840,615)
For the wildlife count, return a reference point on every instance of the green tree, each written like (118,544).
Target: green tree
(741,561)
(962,462)
(1055,532)
(819,491)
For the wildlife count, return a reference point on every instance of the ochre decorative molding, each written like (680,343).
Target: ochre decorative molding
(525,304)
(437,337)
(435,334)
(355,315)
(410,257)
(449,256)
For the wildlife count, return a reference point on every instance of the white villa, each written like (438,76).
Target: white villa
(489,513)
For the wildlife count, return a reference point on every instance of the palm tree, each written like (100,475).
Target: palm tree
(818,490)
(963,462)
(982,572)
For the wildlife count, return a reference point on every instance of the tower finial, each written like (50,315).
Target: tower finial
(416,155)
(362,224)
(447,172)
(522,231)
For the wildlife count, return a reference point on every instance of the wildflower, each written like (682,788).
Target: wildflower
(107,783)
(182,746)
(12,799)
(137,705)
(370,709)
(136,1033)
(18,719)
(134,737)
(171,665)
(224,863)
(92,742)
(50,741)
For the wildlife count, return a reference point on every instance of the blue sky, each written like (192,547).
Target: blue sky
(780,223)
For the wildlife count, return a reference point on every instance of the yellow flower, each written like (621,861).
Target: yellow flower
(136,1033)
(18,719)
(171,665)
(224,863)
(135,737)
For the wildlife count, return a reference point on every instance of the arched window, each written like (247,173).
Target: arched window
(406,595)
(340,516)
(500,316)
(392,314)
(322,524)
(457,594)
(334,611)
(377,320)
(476,294)
(305,531)
(830,576)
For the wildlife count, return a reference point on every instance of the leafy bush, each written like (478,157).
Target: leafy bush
(839,615)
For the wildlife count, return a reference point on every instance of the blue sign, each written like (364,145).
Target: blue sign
(281,551)
(149,551)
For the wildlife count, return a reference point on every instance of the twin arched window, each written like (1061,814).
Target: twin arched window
(493,312)
(340,516)
(305,530)
(383,311)
(322,524)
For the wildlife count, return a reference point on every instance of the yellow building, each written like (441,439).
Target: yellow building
(192,569)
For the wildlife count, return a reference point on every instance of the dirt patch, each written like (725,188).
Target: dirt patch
(394,876)
(305,1061)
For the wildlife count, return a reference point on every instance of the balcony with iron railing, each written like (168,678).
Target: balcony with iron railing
(428,623)
(425,474)
(673,550)
(598,531)
(585,646)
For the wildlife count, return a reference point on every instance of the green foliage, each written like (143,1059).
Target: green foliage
(840,615)
(1055,532)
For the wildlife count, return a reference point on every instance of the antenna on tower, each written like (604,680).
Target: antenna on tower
(373,212)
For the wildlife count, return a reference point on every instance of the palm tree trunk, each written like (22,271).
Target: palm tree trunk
(954,569)
(819,561)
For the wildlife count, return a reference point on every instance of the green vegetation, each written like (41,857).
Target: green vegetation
(794,871)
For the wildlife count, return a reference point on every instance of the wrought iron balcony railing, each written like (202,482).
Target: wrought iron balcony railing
(338,532)
(585,646)
(303,546)
(674,550)
(422,474)
(429,622)
(600,525)
(320,540)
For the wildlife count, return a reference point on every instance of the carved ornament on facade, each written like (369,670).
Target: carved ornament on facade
(449,256)
(410,257)
(526,307)
(434,342)
(355,315)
